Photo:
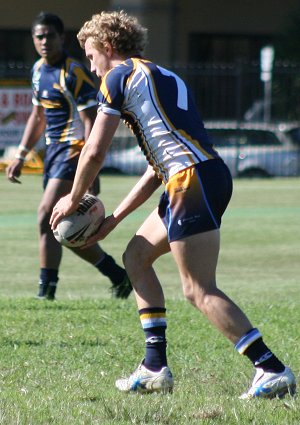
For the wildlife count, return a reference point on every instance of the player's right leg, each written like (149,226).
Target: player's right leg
(149,243)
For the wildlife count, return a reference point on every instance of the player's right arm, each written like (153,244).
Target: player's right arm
(34,129)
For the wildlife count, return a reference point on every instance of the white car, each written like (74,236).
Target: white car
(257,149)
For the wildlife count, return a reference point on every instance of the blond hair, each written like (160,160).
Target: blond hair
(122,31)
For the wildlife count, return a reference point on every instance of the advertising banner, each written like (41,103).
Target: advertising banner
(15,108)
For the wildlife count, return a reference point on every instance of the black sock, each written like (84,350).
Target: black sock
(154,324)
(48,275)
(155,357)
(108,267)
(262,357)
(48,282)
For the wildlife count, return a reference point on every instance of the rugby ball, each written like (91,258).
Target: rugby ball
(73,231)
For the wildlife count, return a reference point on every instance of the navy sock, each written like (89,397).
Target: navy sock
(108,267)
(48,276)
(154,324)
(262,357)
(252,346)
(48,282)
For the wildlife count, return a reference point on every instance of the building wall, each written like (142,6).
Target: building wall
(19,14)
(169,21)
(264,17)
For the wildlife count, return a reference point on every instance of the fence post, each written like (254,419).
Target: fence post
(239,78)
(266,64)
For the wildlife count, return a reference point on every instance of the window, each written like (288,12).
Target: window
(225,47)
(295,135)
(259,138)
(243,137)
(224,137)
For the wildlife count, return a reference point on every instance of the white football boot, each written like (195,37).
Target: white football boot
(270,385)
(143,380)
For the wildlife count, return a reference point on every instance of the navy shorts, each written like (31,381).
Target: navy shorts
(61,161)
(195,199)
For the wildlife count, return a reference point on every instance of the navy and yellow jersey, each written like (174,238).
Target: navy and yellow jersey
(157,105)
(63,90)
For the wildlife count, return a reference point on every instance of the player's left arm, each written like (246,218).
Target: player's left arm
(143,189)
(139,194)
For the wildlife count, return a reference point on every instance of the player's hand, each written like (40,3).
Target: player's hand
(13,171)
(109,223)
(63,208)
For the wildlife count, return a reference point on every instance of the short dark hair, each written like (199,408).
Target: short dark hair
(47,18)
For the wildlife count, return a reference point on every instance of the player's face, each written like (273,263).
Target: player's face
(48,43)
(99,59)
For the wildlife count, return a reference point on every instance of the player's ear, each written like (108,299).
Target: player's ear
(108,48)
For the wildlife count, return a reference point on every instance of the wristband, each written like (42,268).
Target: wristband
(20,157)
(23,148)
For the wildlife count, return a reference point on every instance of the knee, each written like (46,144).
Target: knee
(189,294)
(43,219)
(199,297)
(136,256)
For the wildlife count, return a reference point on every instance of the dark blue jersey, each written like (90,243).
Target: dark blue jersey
(63,90)
(159,108)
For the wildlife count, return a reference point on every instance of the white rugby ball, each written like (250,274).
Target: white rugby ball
(73,231)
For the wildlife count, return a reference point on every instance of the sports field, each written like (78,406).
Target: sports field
(59,360)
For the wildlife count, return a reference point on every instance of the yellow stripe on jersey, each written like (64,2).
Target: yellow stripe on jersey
(103,88)
(195,143)
(63,89)
(48,104)
(38,64)
(81,77)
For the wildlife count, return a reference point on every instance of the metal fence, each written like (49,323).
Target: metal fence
(224,91)
(235,91)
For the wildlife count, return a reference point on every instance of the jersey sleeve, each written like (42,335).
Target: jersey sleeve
(35,100)
(111,95)
(35,84)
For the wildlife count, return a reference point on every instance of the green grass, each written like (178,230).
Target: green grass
(59,360)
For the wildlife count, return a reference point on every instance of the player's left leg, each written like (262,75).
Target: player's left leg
(149,243)
(196,257)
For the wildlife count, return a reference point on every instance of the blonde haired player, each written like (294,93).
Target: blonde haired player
(160,110)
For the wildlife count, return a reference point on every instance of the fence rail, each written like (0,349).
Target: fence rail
(235,91)
(224,91)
